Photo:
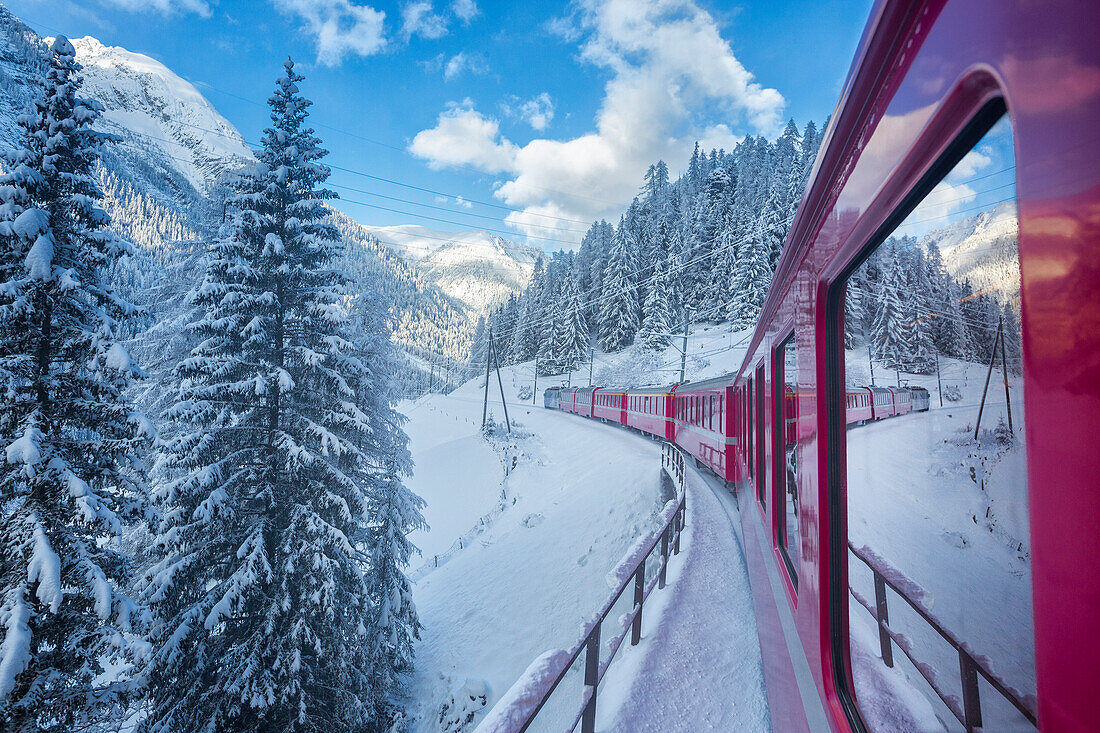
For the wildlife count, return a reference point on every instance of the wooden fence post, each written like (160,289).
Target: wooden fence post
(883,620)
(664,556)
(972,707)
(639,598)
(591,679)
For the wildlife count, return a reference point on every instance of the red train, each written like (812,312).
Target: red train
(939,571)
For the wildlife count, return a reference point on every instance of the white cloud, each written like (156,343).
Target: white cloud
(463,136)
(538,112)
(464,10)
(339,27)
(473,62)
(671,75)
(457,201)
(420,19)
(165,7)
(971,163)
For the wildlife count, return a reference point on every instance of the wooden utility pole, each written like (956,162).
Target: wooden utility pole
(488,353)
(1004,373)
(988,374)
(591,359)
(684,351)
(500,382)
(535,389)
(939,385)
(872,363)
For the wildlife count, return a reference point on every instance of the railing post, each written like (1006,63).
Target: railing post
(972,706)
(883,620)
(591,679)
(679,530)
(664,555)
(639,598)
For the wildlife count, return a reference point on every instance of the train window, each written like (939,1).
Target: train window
(761,467)
(938,557)
(786,477)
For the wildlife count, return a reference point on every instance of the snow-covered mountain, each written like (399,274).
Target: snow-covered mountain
(161,117)
(477,268)
(982,248)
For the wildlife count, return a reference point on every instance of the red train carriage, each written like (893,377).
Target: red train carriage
(610,406)
(702,427)
(953,110)
(857,405)
(902,400)
(568,399)
(585,401)
(649,409)
(882,403)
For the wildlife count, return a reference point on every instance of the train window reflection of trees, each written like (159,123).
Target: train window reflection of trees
(786,480)
(937,492)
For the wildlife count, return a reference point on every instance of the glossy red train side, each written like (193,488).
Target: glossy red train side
(924,72)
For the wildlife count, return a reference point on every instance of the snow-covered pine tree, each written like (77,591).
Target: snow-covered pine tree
(658,309)
(945,325)
(1013,338)
(891,338)
(266,601)
(571,336)
(619,307)
(656,180)
(751,278)
(394,510)
(853,310)
(73,445)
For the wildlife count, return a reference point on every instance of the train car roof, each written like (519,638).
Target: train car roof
(721,380)
(666,389)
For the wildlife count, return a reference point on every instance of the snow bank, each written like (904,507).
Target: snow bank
(516,706)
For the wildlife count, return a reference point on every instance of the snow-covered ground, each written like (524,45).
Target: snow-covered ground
(523,582)
(949,514)
(698,665)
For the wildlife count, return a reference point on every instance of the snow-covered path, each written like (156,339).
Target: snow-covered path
(582,492)
(698,667)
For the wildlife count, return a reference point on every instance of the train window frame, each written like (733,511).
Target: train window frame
(750,445)
(981,121)
(779,420)
(761,439)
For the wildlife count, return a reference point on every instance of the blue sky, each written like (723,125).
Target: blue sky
(551,109)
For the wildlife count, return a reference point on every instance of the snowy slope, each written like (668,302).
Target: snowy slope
(21,66)
(525,580)
(477,268)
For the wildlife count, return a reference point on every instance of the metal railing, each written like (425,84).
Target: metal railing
(632,572)
(968,711)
